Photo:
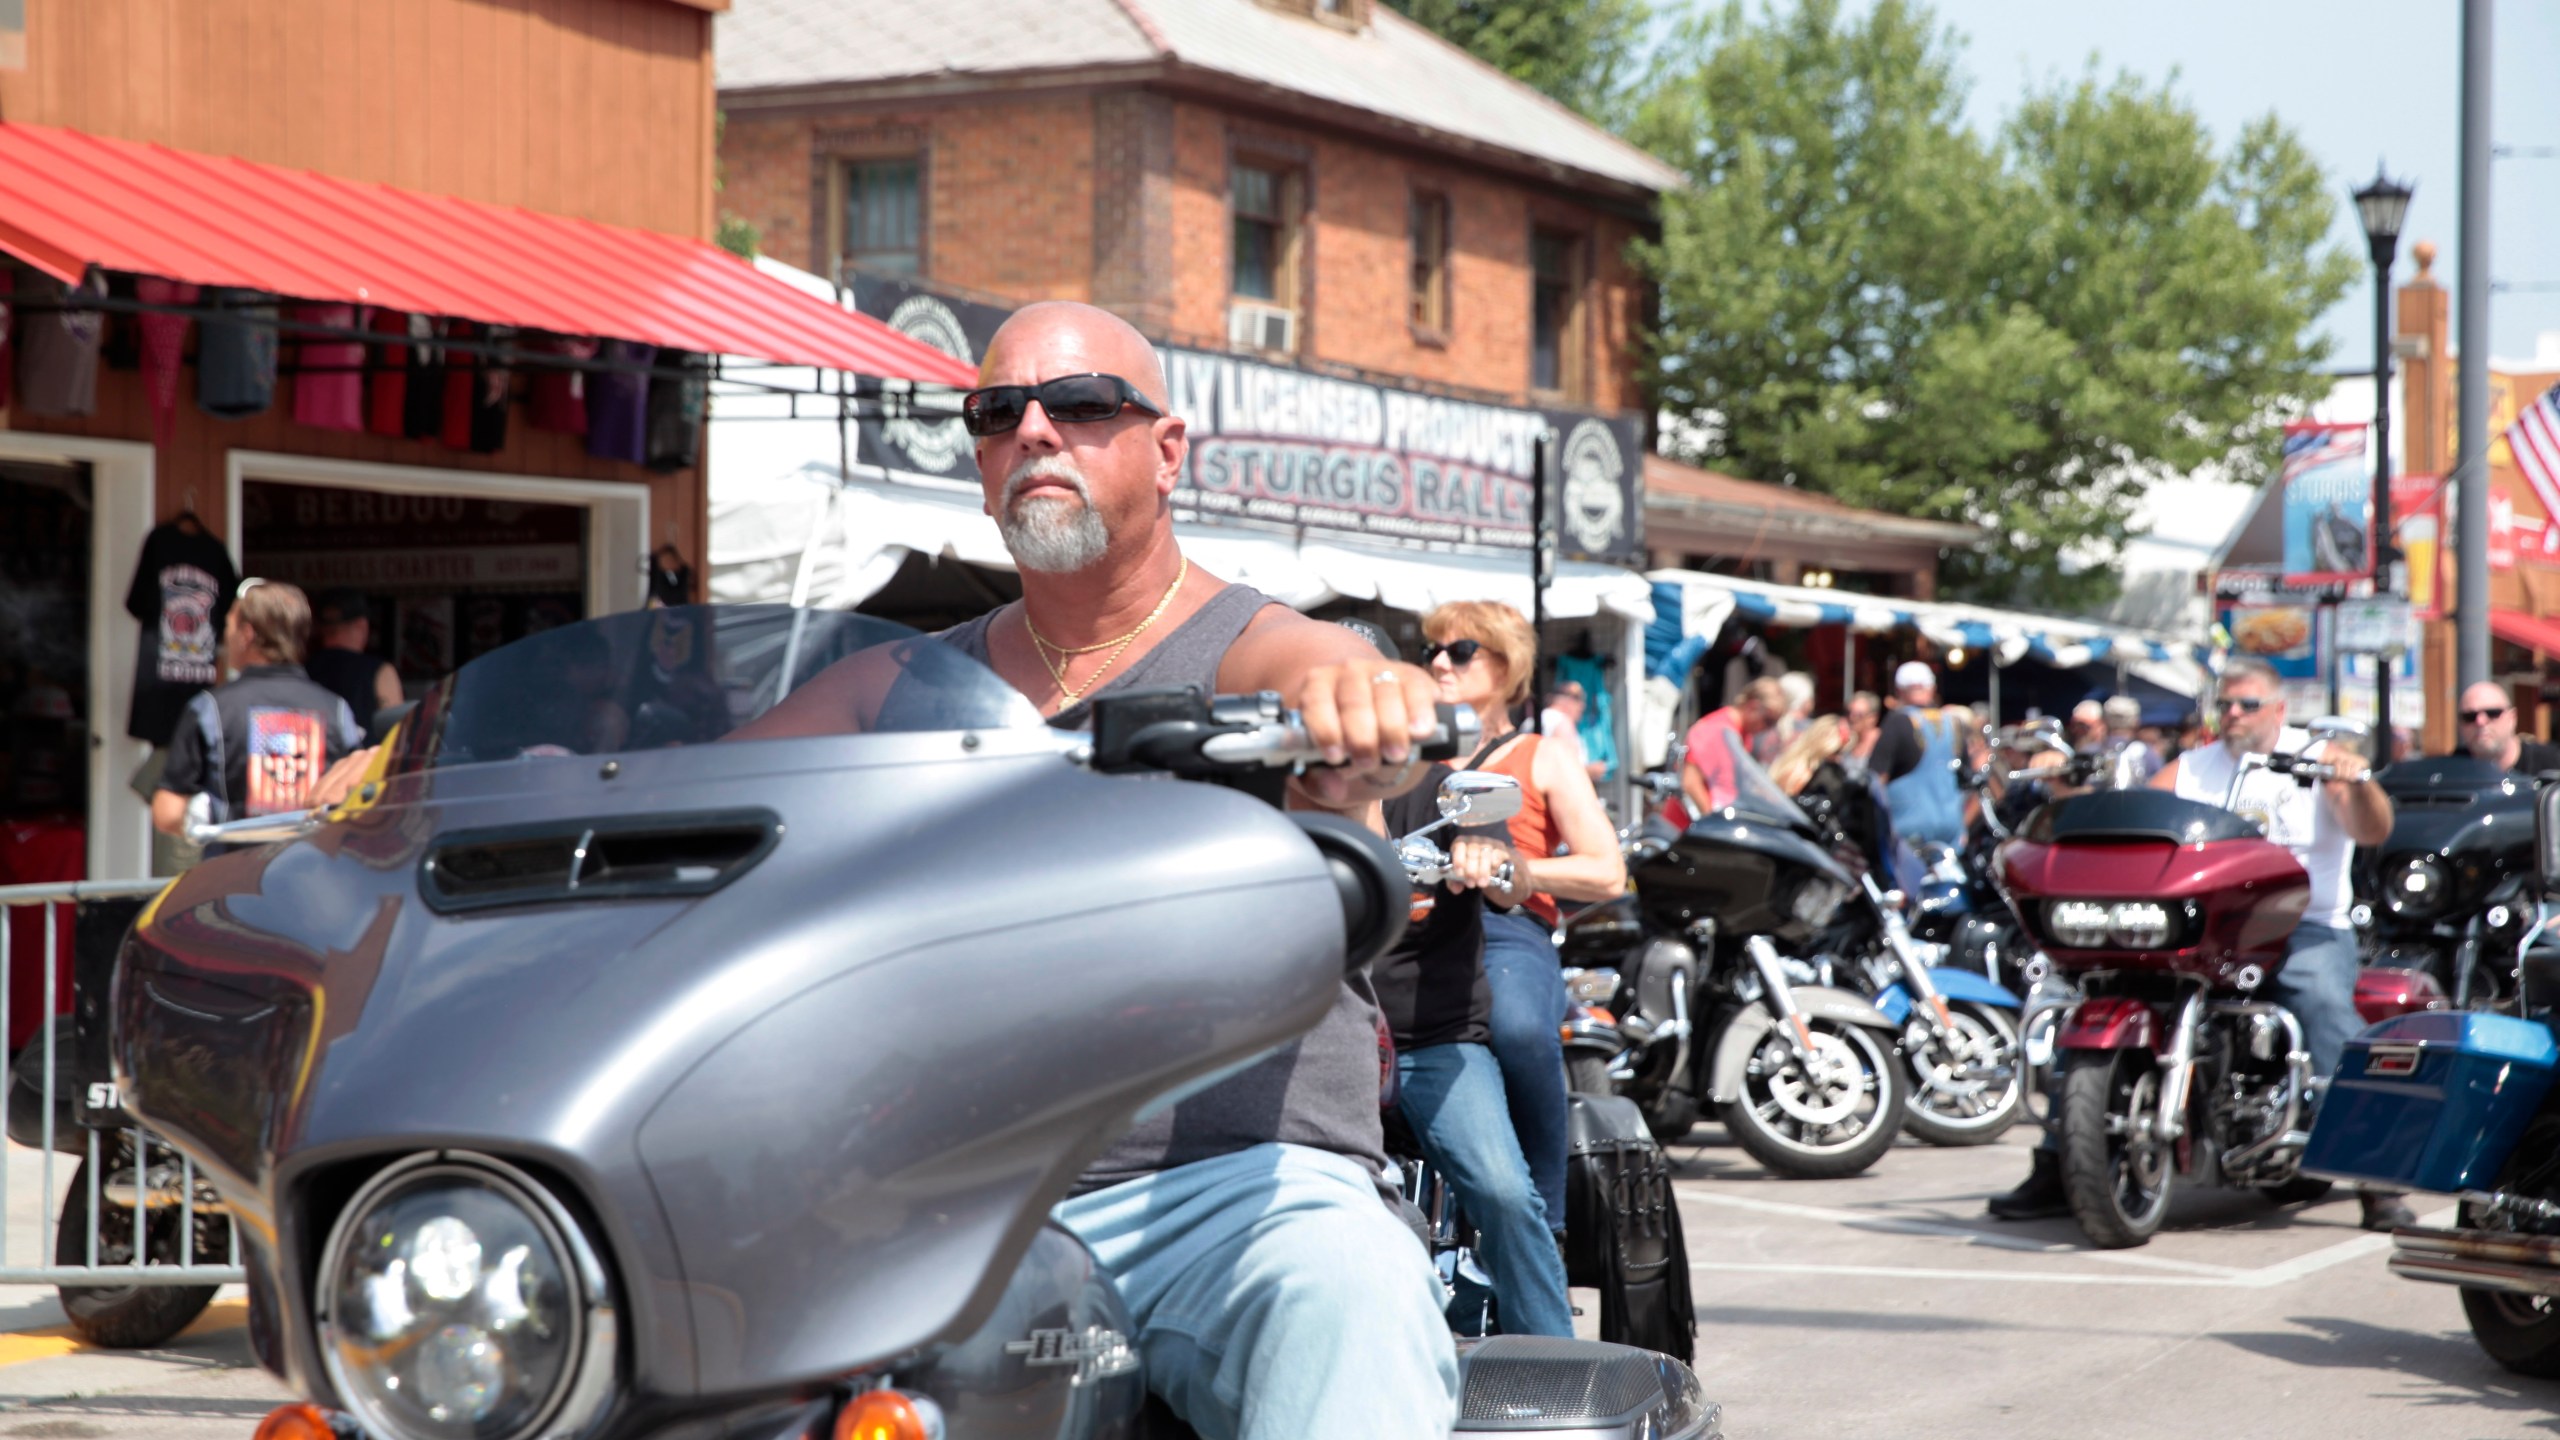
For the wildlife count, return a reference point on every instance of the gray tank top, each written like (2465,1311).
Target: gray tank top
(1321,1091)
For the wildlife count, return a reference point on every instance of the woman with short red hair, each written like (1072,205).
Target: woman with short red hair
(1484,655)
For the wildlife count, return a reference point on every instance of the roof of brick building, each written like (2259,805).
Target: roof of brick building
(1389,74)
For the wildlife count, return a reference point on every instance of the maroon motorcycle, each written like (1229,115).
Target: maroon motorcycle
(2170,916)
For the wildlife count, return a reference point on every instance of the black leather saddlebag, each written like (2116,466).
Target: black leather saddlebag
(1622,1228)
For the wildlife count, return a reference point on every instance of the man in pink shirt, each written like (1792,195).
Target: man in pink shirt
(1706,772)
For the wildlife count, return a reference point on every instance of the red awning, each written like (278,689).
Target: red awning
(2533,632)
(70,200)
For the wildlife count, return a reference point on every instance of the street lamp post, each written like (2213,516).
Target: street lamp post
(2382,205)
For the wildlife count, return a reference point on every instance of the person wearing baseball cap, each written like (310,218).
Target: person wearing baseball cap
(342,626)
(1917,752)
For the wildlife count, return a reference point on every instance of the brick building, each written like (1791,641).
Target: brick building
(492,201)
(1320,180)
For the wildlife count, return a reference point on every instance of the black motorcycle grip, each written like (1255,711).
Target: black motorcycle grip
(1456,736)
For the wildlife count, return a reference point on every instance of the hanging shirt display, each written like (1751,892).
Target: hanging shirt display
(328,380)
(618,402)
(164,346)
(236,358)
(675,411)
(181,591)
(559,398)
(493,396)
(386,373)
(58,348)
(423,416)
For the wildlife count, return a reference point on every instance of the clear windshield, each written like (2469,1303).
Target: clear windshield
(650,679)
(1754,791)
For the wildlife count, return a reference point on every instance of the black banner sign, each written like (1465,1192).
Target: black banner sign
(1277,447)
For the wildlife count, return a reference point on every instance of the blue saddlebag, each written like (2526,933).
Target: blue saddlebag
(2432,1101)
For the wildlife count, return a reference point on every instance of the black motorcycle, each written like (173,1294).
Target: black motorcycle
(2449,893)
(1806,1076)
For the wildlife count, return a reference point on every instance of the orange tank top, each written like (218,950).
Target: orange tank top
(1533,831)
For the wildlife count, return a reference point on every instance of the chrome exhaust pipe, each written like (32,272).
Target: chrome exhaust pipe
(2503,1261)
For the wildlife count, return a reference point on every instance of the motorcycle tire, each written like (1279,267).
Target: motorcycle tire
(1776,1133)
(1955,1117)
(2520,1332)
(2119,1190)
(129,1317)
(1585,1073)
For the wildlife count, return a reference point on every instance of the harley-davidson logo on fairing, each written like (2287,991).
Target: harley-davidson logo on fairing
(1096,1353)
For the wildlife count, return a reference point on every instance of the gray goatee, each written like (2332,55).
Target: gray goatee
(1051,533)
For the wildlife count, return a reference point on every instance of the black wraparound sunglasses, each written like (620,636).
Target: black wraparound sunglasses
(2245,704)
(2480,717)
(1067,400)
(1461,653)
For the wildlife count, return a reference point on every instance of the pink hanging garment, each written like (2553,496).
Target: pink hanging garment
(328,381)
(164,347)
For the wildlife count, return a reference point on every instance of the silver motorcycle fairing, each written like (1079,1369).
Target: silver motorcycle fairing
(1746,1027)
(794,1159)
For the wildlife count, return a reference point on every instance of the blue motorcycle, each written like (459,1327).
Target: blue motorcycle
(2461,1103)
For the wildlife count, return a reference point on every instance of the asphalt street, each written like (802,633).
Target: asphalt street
(1882,1306)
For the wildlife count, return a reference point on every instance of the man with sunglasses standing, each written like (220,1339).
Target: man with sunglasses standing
(2321,825)
(2488,731)
(1276,1295)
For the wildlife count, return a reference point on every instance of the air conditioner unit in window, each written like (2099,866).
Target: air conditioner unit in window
(1262,327)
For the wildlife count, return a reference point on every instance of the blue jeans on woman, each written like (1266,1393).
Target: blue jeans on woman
(1528,1017)
(1452,1097)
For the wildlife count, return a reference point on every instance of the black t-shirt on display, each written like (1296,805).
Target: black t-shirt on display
(1431,985)
(181,591)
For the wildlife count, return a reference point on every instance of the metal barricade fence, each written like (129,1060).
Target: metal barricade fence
(120,1206)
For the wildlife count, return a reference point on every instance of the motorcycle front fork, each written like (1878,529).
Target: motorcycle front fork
(2177,1063)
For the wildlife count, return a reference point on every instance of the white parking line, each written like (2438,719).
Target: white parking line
(2190,1273)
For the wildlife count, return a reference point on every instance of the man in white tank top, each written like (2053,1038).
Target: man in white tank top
(2321,824)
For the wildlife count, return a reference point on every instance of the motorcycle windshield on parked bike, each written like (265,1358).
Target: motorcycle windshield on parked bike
(1753,790)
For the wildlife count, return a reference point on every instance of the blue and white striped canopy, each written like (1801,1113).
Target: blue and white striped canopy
(1690,608)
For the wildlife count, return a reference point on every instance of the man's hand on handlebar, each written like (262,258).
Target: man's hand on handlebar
(1364,716)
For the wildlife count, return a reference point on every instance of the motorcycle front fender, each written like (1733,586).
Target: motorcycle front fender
(2108,1022)
(1747,1026)
(1972,986)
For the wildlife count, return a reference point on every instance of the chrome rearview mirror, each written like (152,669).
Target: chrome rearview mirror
(1478,797)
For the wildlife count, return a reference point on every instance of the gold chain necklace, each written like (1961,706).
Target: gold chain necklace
(1041,644)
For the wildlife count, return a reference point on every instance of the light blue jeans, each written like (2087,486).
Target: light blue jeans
(2318,984)
(1452,1097)
(1277,1297)
(1529,1002)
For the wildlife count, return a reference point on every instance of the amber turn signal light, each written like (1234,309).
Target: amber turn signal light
(297,1422)
(886,1415)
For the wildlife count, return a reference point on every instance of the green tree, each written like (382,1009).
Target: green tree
(1862,296)
(1582,53)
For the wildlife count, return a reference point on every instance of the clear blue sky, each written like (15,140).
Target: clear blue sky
(2358,80)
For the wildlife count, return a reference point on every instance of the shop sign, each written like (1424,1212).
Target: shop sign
(2268,587)
(454,567)
(2417,522)
(2328,503)
(2373,627)
(1279,447)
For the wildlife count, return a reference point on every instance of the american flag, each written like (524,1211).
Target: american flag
(2535,442)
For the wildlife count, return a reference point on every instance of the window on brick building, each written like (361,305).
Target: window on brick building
(883,218)
(1555,313)
(1267,204)
(1427,225)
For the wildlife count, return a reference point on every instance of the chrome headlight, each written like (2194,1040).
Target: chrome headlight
(2078,924)
(456,1300)
(1817,900)
(2417,890)
(2141,925)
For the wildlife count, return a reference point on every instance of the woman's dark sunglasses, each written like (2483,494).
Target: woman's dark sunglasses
(1067,400)
(1461,653)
